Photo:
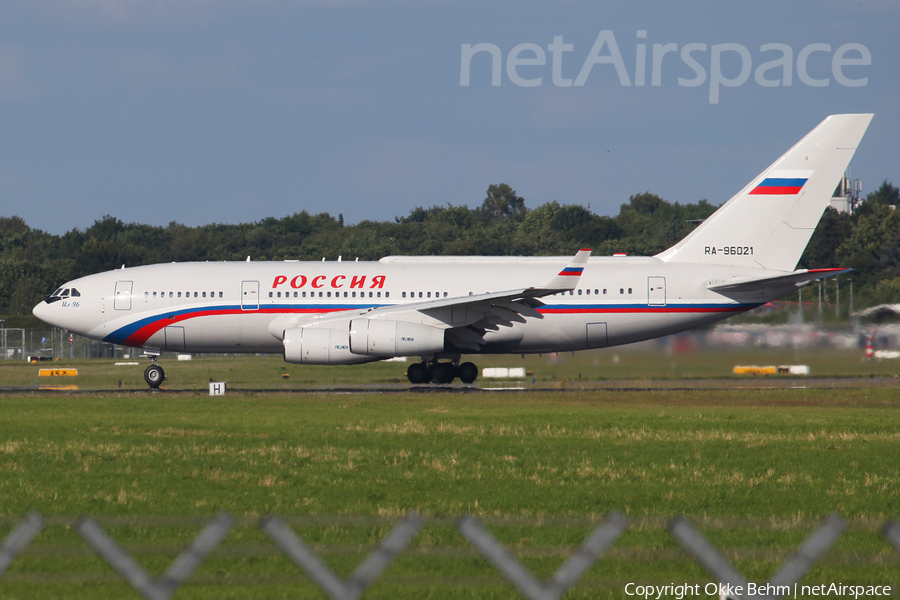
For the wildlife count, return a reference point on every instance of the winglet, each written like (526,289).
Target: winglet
(569,276)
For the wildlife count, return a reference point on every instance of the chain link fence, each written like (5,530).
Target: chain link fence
(428,549)
(53,343)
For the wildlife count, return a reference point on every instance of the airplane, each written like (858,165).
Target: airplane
(441,308)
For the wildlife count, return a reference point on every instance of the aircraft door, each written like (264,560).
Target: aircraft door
(122,299)
(597,335)
(249,295)
(656,291)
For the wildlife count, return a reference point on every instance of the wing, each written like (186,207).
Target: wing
(467,318)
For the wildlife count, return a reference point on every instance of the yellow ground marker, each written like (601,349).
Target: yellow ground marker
(754,370)
(57,372)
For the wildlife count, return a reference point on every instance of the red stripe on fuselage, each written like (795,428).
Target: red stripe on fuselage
(140,337)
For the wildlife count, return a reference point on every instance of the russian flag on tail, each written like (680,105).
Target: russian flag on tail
(779,185)
(572,271)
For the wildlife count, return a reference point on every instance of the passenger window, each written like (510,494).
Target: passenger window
(629,290)
(621,291)
(370,294)
(604,290)
(403,295)
(329,294)
(179,294)
(445,294)
(270,294)
(379,294)
(195,294)
(220,294)
(579,292)
(171,294)
(154,294)
(387,294)
(304,294)
(146,294)
(420,294)
(320,294)
(429,295)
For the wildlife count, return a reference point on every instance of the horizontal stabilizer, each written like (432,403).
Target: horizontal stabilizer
(797,278)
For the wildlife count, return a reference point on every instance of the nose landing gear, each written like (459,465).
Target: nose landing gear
(154,374)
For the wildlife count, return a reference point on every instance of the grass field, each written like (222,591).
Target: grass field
(756,468)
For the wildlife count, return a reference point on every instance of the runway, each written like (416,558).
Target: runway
(648,385)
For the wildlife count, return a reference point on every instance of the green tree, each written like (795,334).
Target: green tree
(833,229)
(503,203)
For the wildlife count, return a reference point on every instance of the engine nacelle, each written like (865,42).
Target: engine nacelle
(319,346)
(379,337)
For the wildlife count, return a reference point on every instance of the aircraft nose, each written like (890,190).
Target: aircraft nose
(41,311)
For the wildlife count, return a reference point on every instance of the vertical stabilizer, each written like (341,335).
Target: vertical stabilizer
(768,223)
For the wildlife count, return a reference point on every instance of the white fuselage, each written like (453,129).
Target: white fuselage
(743,255)
(246,306)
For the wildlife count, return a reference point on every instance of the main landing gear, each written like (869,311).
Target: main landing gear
(441,372)
(154,374)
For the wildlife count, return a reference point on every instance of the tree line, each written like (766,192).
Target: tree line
(33,263)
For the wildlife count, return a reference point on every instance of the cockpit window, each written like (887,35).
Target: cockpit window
(75,292)
(57,292)
(65,293)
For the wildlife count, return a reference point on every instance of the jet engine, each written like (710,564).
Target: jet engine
(383,338)
(319,346)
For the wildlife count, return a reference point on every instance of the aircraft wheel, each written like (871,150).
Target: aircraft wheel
(467,372)
(154,375)
(442,372)
(417,373)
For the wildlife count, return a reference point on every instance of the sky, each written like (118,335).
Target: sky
(225,111)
